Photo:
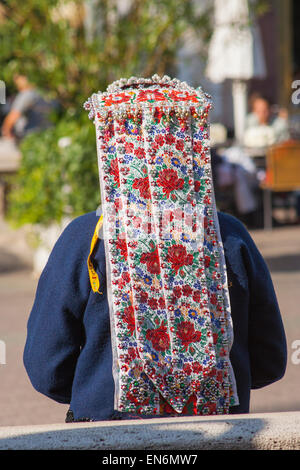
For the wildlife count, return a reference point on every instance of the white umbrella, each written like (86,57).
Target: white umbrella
(236,53)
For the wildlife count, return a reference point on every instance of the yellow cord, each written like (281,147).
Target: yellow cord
(94,279)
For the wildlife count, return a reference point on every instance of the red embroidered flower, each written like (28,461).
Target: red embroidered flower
(142,297)
(170,139)
(197,367)
(151,260)
(197,296)
(161,303)
(197,185)
(116,99)
(213,299)
(179,144)
(187,334)
(187,369)
(150,95)
(114,170)
(207,261)
(128,317)
(177,291)
(159,140)
(215,338)
(178,257)
(169,181)
(183,96)
(131,354)
(129,147)
(158,114)
(159,338)
(187,290)
(153,303)
(122,246)
(197,147)
(142,184)
(139,152)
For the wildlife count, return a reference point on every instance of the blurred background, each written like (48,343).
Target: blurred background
(55,54)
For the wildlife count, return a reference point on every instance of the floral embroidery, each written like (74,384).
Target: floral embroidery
(178,257)
(169,181)
(151,260)
(187,334)
(142,184)
(159,337)
(169,303)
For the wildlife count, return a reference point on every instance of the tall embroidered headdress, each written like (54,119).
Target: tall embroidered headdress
(166,276)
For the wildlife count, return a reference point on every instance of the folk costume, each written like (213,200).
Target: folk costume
(162,276)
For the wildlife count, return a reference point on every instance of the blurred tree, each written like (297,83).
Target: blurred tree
(69,49)
(72,47)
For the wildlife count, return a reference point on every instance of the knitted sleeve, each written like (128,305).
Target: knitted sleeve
(54,330)
(266,335)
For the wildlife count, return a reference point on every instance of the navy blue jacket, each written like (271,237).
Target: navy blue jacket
(68,354)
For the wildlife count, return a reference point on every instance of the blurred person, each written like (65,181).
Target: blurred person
(261,117)
(29,111)
(172,314)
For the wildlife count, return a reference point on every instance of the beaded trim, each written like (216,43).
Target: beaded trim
(167,285)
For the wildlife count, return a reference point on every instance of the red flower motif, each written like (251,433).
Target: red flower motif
(169,181)
(142,297)
(178,257)
(161,303)
(215,338)
(122,246)
(207,261)
(159,338)
(131,354)
(159,140)
(187,334)
(187,290)
(197,147)
(158,114)
(151,260)
(183,96)
(114,170)
(129,147)
(140,153)
(197,367)
(170,139)
(116,99)
(179,144)
(150,95)
(213,299)
(153,303)
(177,291)
(197,296)
(128,317)
(142,184)
(197,185)
(187,369)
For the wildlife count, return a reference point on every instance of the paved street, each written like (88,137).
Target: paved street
(20,404)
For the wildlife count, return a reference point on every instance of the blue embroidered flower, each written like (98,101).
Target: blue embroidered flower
(128,158)
(177,312)
(147,280)
(185,237)
(111,149)
(175,161)
(180,134)
(192,313)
